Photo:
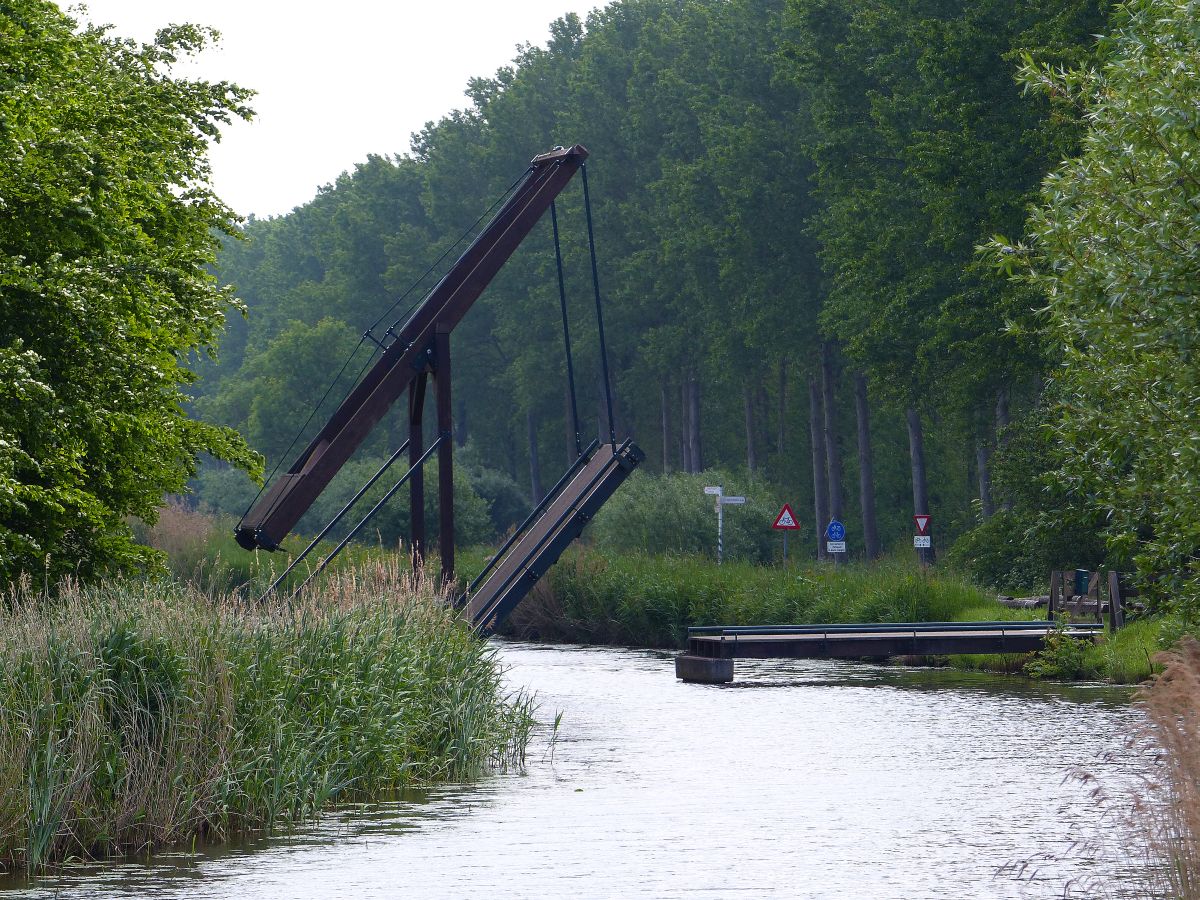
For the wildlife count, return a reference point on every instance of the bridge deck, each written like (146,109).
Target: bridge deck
(548,531)
(707,646)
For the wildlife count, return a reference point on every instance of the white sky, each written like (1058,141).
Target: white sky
(335,81)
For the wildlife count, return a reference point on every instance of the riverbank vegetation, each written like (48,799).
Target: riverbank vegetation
(144,713)
(636,599)
(108,229)
(1167,811)
(623,588)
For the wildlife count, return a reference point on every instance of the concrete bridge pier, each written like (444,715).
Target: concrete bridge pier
(703,669)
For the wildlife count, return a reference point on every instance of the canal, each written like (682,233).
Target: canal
(802,779)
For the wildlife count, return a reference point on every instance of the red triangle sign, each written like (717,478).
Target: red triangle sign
(922,523)
(786,520)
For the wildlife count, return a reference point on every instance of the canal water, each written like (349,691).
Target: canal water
(802,779)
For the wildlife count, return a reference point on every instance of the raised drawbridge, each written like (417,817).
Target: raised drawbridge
(404,357)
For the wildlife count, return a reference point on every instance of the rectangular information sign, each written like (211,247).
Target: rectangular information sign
(835,546)
(922,541)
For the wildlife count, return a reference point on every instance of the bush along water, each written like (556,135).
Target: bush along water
(642,600)
(140,714)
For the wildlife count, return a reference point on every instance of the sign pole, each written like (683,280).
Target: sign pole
(923,540)
(722,502)
(720,529)
(786,521)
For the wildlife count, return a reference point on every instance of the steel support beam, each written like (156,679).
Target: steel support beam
(282,505)
(445,420)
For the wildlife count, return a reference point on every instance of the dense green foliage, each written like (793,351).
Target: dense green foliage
(771,177)
(140,714)
(1114,249)
(106,225)
(645,600)
(672,514)
(789,195)
(700,181)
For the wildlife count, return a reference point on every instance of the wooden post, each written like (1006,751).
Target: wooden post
(445,419)
(1094,594)
(1055,592)
(1116,610)
(416,447)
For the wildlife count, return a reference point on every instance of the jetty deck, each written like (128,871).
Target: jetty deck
(712,649)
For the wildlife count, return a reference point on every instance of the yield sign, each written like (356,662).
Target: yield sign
(922,523)
(786,520)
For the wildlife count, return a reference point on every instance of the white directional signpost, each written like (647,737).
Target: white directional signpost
(835,537)
(785,522)
(722,502)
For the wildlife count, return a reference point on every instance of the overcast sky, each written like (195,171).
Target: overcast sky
(357,77)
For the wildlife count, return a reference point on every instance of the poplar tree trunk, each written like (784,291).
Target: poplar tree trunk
(666,429)
(1002,416)
(748,402)
(833,454)
(536,492)
(781,435)
(983,464)
(1002,421)
(695,448)
(866,468)
(569,426)
(684,459)
(816,427)
(460,420)
(920,488)
(510,455)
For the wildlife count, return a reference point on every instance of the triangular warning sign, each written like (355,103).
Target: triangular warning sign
(786,519)
(922,523)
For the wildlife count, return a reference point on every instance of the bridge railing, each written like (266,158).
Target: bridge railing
(887,627)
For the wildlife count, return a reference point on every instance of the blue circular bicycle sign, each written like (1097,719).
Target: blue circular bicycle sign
(835,531)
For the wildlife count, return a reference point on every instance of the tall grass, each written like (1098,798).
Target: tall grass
(199,547)
(648,600)
(638,599)
(1168,813)
(136,714)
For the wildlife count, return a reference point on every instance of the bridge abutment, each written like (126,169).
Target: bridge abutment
(703,669)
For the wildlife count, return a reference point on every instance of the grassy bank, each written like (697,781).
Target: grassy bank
(639,599)
(642,600)
(139,714)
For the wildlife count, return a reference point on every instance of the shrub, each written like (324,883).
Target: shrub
(1018,549)
(672,514)
(1063,657)
(642,600)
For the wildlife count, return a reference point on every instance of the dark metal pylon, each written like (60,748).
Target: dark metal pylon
(420,348)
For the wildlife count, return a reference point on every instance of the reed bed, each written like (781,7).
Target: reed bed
(137,714)
(198,547)
(1167,810)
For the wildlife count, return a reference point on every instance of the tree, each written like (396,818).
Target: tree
(108,224)
(1115,249)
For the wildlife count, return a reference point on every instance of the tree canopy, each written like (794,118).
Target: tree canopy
(106,230)
(1113,247)
(789,197)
